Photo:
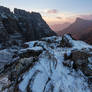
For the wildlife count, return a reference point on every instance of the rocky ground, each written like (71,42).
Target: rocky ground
(52,64)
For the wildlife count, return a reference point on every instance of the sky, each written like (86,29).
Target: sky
(54,11)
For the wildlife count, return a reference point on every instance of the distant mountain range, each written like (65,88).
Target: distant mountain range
(81,30)
(61,26)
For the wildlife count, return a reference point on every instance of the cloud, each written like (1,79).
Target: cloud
(53,11)
(58,17)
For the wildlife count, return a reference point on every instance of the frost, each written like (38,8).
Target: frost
(90,59)
(50,71)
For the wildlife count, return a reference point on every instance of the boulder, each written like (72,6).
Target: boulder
(66,41)
(80,60)
(28,52)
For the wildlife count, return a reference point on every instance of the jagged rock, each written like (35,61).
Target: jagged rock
(66,41)
(14,72)
(3,32)
(81,61)
(4,83)
(17,28)
(4,10)
(68,63)
(32,23)
(25,45)
(35,51)
(5,57)
(21,26)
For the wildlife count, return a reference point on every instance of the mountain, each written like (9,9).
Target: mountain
(58,27)
(34,59)
(51,64)
(87,36)
(78,28)
(21,26)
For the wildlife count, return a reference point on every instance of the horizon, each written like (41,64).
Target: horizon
(59,12)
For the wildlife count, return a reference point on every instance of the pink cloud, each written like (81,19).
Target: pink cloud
(53,11)
(58,17)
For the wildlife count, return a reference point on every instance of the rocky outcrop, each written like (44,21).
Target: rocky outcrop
(66,41)
(21,26)
(81,61)
(36,51)
(32,23)
(44,66)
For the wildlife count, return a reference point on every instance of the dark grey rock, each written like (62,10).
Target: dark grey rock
(21,26)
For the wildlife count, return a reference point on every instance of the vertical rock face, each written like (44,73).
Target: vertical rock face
(21,26)
(32,23)
(3,32)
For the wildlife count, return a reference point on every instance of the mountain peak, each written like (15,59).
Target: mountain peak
(4,9)
(78,19)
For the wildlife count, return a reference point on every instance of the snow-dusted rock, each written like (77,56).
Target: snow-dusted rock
(28,52)
(5,57)
(66,41)
(53,70)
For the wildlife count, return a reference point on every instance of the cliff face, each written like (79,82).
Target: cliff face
(21,26)
(80,30)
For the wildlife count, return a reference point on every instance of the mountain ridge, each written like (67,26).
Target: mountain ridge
(78,28)
(29,26)
(57,27)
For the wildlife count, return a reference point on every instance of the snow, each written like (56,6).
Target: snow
(60,77)
(31,43)
(49,73)
(36,48)
(4,82)
(68,37)
(33,49)
(90,62)
(77,44)
(5,56)
(44,42)
(26,78)
(80,44)
(90,59)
